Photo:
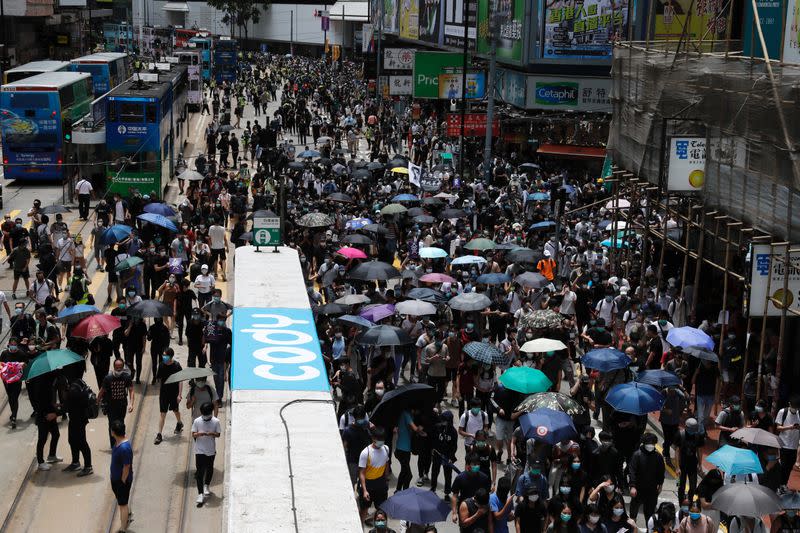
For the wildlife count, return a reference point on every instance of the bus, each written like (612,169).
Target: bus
(182,36)
(108,69)
(33,68)
(36,118)
(118,37)
(225,59)
(191,57)
(146,117)
(204,44)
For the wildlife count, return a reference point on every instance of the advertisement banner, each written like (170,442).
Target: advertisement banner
(400,85)
(791,37)
(389,15)
(768,268)
(583,30)
(770,14)
(474,125)
(450,85)
(409,19)
(511,87)
(687,164)
(368,38)
(577,94)
(398,59)
(704,23)
(430,21)
(428,66)
(510,17)
(454,23)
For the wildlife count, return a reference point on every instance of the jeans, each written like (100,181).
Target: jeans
(404,477)
(219,378)
(205,470)
(76,436)
(704,405)
(47,427)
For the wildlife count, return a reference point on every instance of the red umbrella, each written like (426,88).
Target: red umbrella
(351,253)
(95,326)
(436,277)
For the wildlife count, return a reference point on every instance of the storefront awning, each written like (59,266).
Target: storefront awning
(571,150)
(182,7)
(353,12)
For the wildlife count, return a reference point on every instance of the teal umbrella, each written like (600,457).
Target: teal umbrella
(525,380)
(50,361)
(128,263)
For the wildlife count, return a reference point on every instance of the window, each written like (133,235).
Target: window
(112,111)
(194,85)
(131,112)
(152,113)
(67,96)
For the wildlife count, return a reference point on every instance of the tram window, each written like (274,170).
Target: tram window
(194,85)
(152,113)
(130,112)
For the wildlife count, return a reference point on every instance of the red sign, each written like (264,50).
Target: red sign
(474,125)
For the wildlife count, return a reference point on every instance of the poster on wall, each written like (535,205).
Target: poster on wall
(511,87)
(791,37)
(427,68)
(454,30)
(511,20)
(709,20)
(389,15)
(400,85)
(687,164)
(409,19)
(573,93)
(398,59)
(770,14)
(583,30)
(450,85)
(430,21)
(767,277)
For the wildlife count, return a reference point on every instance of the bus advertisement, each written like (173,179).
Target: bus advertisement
(203,43)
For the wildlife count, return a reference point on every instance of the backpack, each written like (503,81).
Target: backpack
(76,288)
(92,408)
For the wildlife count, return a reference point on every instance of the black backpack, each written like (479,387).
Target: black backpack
(76,289)
(92,407)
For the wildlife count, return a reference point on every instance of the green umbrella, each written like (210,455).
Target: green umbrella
(480,244)
(393,209)
(50,361)
(525,380)
(128,263)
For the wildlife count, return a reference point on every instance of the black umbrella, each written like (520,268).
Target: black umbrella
(330,277)
(397,163)
(361,164)
(426,295)
(315,220)
(532,279)
(524,255)
(432,200)
(507,246)
(374,270)
(357,238)
(296,165)
(149,309)
(54,209)
(376,228)
(416,211)
(331,309)
(339,197)
(375,165)
(324,161)
(407,397)
(361,173)
(452,213)
(384,336)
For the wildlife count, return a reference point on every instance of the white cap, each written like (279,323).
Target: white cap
(204,267)
(547,253)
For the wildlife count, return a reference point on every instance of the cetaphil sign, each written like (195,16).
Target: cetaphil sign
(276,349)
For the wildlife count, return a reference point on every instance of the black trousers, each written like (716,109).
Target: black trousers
(76,436)
(115,411)
(47,427)
(205,470)
(647,500)
(199,356)
(687,474)
(83,205)
(12,391)
(436,464)
(404,477)
(669,431)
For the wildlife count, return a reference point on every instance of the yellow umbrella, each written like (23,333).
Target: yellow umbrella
(400,170)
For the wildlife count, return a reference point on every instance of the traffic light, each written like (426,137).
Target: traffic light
(66,128)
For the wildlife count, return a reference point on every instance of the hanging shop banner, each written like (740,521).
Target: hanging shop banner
(577,94)
(368,38)
(430,21)
(454,27)
(770,14)
(583,30)
(510,18)
(450,85)
(409,19)
(389,15)
(791,37)
(398,59)
(768,274)
(400,85)
(474,125)
(511,87)
(687,164)
(709,20)
(427,68)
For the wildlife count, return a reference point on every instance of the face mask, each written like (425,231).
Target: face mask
(221,323)
(200,384)
(566,517)
(609,298)
(533,498)
(12,348)
(380,524)
(684,508)
(379,443)
(791,513)
(172,279)
(152,250)
(475,411)
(649,447)
(609,488)
(695,516)
(18,311)
(475,468)
(122,306)
(206,417)
(216,299)
(379,392)
(565,490)
(793,410)
(165,359)
(117,373)
(771,458)
(480,443)
(535,471)
(618,511)
(131,294)
(576,466)
(470,327)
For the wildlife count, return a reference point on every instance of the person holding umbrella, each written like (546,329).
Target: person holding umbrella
(169,395)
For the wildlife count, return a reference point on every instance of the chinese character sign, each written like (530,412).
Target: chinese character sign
(687,164)
(791,37)
(583,30)
(398,59)
(400,85)
(708,22)
(509,19)
(767,279)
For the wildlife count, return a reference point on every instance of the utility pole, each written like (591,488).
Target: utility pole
(377,57)
(4,58)
(487,147)
(463,90)
(291,32)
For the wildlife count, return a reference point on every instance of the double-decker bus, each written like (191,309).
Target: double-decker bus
(146,118)
(191,57)
(225,59)
(36,118)
(33,68)
(204,44)
(108,69)
(182,36)
(118,37)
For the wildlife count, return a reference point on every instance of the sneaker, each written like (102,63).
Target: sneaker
(420,482)
(54,459)
(88,471)
(178,427)
(200,500)
(44,467)
(72,467)
(158,440)
(13,295)
(206,492)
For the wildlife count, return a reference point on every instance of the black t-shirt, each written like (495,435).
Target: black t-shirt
(688,445)
(117,387)
(706,382)
(487,455)
(466,484)
(169,390)
(357,438)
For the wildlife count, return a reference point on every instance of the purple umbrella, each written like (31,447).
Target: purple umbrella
(376,313)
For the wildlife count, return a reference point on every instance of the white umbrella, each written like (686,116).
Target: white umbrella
(621,204)
(353,299)
(415,308)
(543,345)
(190,175)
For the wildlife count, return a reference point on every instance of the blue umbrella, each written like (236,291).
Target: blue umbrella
(733,460)
(605,359)
(569,188)
(618,243)
(158,220)
(356,321)
(116,233)
(543,225)
(426,295)
(417,506)
(159,209)
(468,260)
(658,378)
(76,313)
(548,425)
(494,278)
(309,153)
(539,196)
(687,336)
(406,198)
(431,252)
(635,398)
(357,223)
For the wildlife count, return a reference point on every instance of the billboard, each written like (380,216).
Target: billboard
(511,87)
(573,93)
(398,59)
(389,15)
(430,21)
(510,17)
(428,66)
(450,85)
(770,14)
(708,21)
(400,85)
(768,268)
(687,164)
(409,19)
(474,125)
(583,30)
(454,30)
(791,37)
(368,38)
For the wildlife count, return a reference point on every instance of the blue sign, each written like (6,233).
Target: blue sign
(276,349)
(770,13)
(263,47)
(512,87)
(762,264)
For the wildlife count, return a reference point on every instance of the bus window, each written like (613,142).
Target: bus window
(152,113)
(67,96)
(130,112)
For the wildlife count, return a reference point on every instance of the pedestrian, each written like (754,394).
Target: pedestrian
(355,438)
(169,394)
(203,284)
(467,483)
(201,392)
(205,430)
(788,428)
(79,397)
(43,396)
(474,513)
(219,337)
(83,191)
(646,471)
(19,259)
(116,394)
(373,472)
(159,338)
(689,444)
(13,361)
(121,473)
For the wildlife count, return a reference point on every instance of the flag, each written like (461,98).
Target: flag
(414,173)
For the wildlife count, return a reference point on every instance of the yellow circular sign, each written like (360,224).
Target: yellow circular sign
(787,299)
(697,178)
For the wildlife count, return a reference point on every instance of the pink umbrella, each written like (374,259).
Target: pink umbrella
(436,277)
(351,253)
(377,312)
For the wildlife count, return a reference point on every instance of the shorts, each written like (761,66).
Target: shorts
(122,491)
(166,403)
(24,274)
(218,253)
(66,266)
(378,490)
(503,429)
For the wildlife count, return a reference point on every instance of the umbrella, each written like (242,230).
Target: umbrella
(733,460)
(116,233)
(436,277)
(393,209)
(790,500)
(356,321)
(486,353)
(50,361)
(357,239)
(149,309)
(617,243)
(548,425)
(376,228)
(331,309)
(424,219)
(426,295)
(158,220)
(324,161)
(357,223)
(658,378)
(452,213)
(746,499)
(525,379)
(405,398)
(353,299)
(528,166)
(539,196)
(339,197)
(339,151)
(635,398)
(361,173)
(400,170)
(95,326)
(552,400)
(543,225)
(159,209)
(523,255)
(54,209)
(296,165)
(374,270)
(351,253)
(191,175)
(384,336)
(620,203)
(398,161)
(128,263)
(605,359)
(480,244)
(375,165)
(416,211)
(541,319)
(415,308)
(338,169)
(76,313)
(432,252)
(445,196)
(247,236)
(469,260)
(700,353)
(494,278)
(189,373)
(309,153)
(417,506)
(406,198)
(224,128)
(469,301)
(378,312)
(543,345)
(687,336)
(758,436)
(330,277)
(315,220)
